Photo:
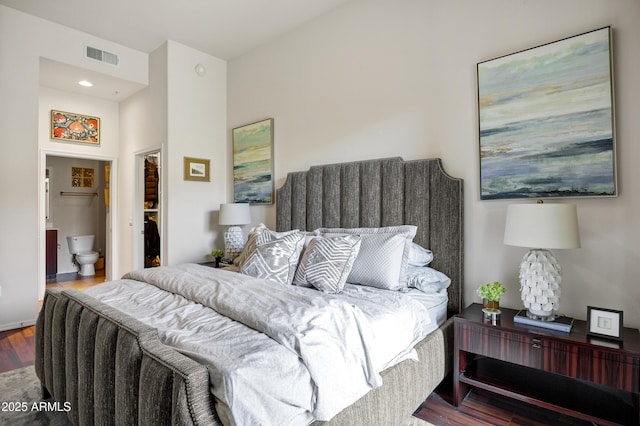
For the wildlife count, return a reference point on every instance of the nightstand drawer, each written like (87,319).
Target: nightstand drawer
(516,348)
(601,366)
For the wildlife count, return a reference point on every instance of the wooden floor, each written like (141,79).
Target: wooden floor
(17,347)
(482,408)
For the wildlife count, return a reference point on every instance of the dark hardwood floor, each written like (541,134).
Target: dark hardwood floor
(17,347)
(482,408)
(17,350)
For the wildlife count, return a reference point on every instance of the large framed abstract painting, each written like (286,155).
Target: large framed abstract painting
(547,121)
(253,163)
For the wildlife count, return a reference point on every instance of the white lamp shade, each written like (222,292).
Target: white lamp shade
(234,214)
(545,226)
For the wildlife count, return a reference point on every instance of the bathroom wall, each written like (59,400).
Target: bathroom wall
(75,215)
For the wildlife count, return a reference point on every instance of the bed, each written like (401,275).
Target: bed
(113,368)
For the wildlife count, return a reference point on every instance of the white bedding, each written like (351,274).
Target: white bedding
(287,374)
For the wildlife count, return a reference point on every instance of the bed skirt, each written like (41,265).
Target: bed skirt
(113,369)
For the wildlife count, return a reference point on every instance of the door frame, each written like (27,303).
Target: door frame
(138,207)
(111,234)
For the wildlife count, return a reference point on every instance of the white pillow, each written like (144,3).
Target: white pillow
(326,263)
(384,255)
(274,258)
(426,279)
(419,256)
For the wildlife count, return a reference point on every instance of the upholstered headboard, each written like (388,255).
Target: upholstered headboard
(383,192)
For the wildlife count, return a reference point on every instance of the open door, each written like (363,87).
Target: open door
(151,209)
(148,210)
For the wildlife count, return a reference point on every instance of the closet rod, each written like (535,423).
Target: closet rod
(78,194)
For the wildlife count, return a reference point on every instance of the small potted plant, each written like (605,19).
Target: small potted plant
(491,293)
(217,255)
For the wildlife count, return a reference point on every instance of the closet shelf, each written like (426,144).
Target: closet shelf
(78,194)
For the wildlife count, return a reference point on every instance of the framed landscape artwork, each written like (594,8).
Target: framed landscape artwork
(253,163)
(196,169)
(547,121)
(72,127)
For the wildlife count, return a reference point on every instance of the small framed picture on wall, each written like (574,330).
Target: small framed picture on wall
(196,169)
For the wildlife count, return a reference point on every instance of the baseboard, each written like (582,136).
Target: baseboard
(21,324)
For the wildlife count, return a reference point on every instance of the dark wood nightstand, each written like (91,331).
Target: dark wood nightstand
(592,379)
(212,264)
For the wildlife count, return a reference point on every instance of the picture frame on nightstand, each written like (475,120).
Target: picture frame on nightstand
(604,323)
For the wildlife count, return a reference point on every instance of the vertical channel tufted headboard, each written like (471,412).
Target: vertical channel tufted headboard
(383,192)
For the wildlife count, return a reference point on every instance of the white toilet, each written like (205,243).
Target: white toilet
(81,246)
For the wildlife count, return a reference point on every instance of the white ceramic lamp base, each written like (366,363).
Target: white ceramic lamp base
(233,242)
(540,279)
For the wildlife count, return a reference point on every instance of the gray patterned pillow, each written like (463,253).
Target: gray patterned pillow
(326,263)
(274,258)
(384,255)
(258,232)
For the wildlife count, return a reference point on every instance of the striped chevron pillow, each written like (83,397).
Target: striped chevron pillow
(326,262)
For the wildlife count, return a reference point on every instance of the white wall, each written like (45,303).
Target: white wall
(63,218)
(18,174)
(143,127)
(181,112)
(24,39)
(197,120)
(86,105)
(185,115)
(378,78)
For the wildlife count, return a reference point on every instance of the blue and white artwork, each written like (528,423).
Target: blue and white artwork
(546,120)
(253,163)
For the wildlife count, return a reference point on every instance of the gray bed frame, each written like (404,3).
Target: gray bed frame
(113,369)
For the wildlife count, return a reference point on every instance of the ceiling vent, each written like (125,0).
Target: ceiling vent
(101,55)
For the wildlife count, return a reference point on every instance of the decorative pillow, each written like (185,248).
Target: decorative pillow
(384,255)
(260,231)
(326,263)
(427,279)
(419,256)
(274,258)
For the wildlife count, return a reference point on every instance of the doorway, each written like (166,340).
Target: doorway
(76,200)
(148,251)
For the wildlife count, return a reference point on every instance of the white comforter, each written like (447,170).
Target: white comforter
(304,355)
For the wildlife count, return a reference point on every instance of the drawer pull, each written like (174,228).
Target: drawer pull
(536,343)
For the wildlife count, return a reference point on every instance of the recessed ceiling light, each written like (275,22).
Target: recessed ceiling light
(85,83)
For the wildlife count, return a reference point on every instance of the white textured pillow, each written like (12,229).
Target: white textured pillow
(274,258)
(326,263)
(426,279)
(384,255)
(419,256)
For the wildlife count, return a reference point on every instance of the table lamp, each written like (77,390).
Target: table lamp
(541,227)
(234,215)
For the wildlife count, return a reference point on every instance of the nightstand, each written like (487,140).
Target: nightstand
(592,379)
(212,264)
